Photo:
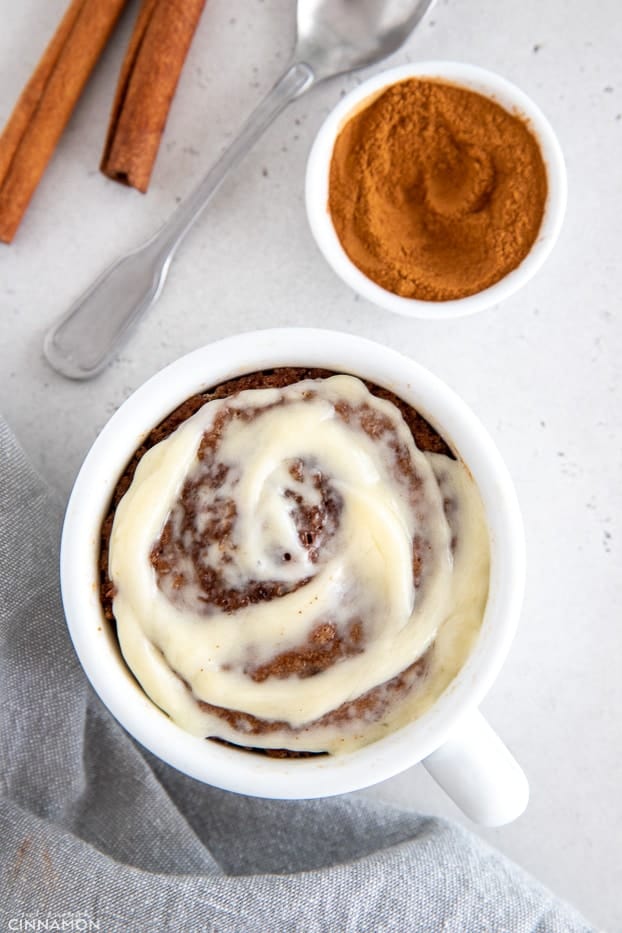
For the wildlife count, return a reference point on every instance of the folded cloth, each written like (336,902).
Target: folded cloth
(98,835)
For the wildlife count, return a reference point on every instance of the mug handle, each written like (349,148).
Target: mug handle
(478,772)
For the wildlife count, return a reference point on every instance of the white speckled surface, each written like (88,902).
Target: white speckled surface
(542,371)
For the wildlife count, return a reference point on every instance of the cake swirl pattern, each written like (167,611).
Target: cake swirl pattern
(289,566)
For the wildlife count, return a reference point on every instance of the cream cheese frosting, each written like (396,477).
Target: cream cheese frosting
(276,454)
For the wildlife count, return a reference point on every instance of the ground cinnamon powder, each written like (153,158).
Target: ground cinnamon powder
(436,192)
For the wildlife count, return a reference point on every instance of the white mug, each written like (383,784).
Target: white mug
(452,739)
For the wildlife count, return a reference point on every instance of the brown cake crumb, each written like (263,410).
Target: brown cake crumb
(369,706)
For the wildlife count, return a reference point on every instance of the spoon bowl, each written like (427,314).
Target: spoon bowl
(335,36)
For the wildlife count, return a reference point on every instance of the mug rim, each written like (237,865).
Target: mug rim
(96,645)
(488,84)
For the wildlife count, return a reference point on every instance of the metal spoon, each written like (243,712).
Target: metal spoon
(334,36)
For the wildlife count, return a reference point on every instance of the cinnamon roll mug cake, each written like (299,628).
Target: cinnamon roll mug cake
(292,563)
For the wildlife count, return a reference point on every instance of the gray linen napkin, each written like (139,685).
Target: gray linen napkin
(95,834)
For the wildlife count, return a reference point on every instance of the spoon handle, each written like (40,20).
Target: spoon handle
(84,339)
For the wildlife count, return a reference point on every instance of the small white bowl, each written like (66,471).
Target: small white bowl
(475,79)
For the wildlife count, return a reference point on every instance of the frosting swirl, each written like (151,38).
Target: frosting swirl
(290,556)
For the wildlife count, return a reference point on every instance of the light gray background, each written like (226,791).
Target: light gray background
(542,371)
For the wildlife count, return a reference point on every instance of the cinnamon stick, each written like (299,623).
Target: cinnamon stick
(47,102)
(147,84)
